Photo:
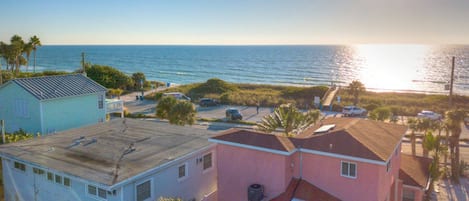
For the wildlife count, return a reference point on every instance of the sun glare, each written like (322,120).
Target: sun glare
(386,67)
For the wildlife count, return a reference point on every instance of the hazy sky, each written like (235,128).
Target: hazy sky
(237,21)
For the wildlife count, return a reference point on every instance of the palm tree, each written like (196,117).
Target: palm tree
(424,125)
(412,123)
(35,42)
(182,113)
(17,46)
(355,88)
(164,106)
(455,118)
(289,118)
(28,48)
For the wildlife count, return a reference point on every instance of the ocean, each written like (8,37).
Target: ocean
(405,68)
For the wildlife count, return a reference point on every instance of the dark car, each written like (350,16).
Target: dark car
(233,114)
(204,102)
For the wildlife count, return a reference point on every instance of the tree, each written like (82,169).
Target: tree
(35,43)
(433,145)
(139,80)
(412,123)
(164,106)
(183,112)
(116,92)
(355,88)
(16,50)
(28,48)
(289,118)
(455,118)
(423,125)
(381,113)
(108,76)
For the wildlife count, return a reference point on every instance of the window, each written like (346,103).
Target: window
(67,181)
(349,169)
(93,191)
(20,166)
(38,171)
(182,171)
(207,161)
(102,193)
(144,191)
(58,179)
(100,101)
(50,176)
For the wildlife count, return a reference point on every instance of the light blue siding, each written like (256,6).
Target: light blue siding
(165,182)
(19,185)
(19,109)
(71,112)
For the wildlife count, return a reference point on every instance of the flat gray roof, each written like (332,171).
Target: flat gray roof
(108,161)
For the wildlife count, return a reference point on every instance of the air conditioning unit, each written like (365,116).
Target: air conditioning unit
(255,192)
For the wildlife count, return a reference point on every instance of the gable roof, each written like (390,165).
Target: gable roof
(257,139)
(354,137)
(109,160)
(415,170)
(59,86)
(304,190)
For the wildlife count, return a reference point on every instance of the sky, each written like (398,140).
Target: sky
(237,22)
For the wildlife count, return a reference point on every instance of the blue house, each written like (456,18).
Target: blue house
(52,103)
(119,160)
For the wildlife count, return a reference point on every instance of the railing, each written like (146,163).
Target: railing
(114,106)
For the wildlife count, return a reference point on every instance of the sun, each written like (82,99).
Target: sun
(390,67)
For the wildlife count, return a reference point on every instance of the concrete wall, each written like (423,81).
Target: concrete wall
(238,168)
(9,95)
(71,112)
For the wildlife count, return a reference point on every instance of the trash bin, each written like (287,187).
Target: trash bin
(141,98)
(136,97)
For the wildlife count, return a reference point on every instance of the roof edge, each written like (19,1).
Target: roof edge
(285,153)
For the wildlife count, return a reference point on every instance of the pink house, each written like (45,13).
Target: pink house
(338,159)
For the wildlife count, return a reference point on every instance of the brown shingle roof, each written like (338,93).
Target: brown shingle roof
(351,137)
(415,170)
(257,139)
(303,190)
(355,137)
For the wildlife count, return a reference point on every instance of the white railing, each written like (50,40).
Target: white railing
(114,106)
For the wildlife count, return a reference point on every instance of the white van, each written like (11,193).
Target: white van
(177,95)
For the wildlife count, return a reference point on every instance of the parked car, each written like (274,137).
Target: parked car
(204,102)
(429,115)
(353,111)
(233,114)
(177,95)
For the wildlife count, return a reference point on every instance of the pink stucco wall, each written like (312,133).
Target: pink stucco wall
(372,182)
(240,167)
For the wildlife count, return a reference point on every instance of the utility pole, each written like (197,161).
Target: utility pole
(451,84)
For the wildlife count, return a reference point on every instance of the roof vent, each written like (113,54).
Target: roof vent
(324,129)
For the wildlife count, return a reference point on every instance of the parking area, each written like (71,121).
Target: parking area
(249,112)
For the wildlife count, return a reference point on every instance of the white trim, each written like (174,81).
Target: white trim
(252,147)
(340,156)
(162,166)
(349,163)
(41,114)
(284,153)
(151,188)
(412,187)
